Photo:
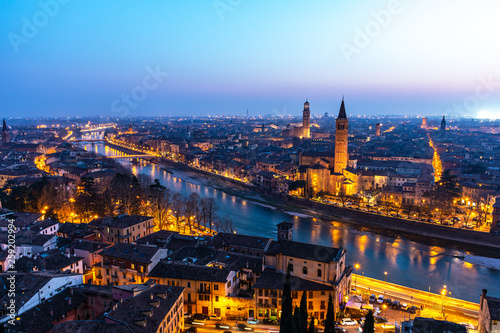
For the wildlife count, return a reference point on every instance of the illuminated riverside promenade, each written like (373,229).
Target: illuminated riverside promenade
(407,262)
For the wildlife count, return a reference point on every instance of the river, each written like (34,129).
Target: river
(409,263)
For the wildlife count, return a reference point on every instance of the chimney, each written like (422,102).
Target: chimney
(483,295)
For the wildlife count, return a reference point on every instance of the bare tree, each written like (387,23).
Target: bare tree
(158,204)
(177,209)
(209,211)
(224,224)
(342,196)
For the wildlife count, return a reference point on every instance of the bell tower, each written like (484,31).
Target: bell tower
(341,140)
(5,133)
(306,121)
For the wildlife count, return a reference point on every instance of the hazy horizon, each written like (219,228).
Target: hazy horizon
(222,57)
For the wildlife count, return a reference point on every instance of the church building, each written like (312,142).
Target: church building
(329,171)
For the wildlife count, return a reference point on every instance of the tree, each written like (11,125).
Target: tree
(369,326)
(311,326)
(303,312)
(158,204)
(342,195)
(330,316)
(297,319)
(287,324)
(209,211)
(127,192)
(87,200)
(177,206)
(408,208)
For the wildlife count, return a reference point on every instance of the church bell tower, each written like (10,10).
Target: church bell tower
(341,139)
(306,121)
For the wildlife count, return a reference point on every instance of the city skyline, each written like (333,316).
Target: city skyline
(224,57)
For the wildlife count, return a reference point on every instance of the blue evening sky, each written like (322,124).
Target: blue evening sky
(95,57)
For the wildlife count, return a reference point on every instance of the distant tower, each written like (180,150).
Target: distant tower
(495,222)
(285,231)
(326,114)
(341,138)
(5,133)
(443,125)
(377,129)
(130,129)
(424,122)
(306,121)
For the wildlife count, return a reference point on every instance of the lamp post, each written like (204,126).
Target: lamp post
(385,279)
(443,293)
(384,306)
(356,279)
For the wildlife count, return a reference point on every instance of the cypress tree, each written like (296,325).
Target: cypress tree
(297,319)
(311,326)
(330,317)
(287,323)
(303,311)
(369,326)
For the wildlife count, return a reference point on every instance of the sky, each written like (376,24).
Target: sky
(222,57)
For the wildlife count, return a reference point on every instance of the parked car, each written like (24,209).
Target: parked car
(404,307)
(243,327)
(469,226)
(348,322)
(222,326)
(388,301)
(396,304)
(413,309)
(380,299)
(192,329)
(215,317)
(447,222)
(372,298)
(380,320)
(252,321)
(199,317)
(267,321)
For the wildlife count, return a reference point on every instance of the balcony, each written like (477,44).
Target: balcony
(203,291)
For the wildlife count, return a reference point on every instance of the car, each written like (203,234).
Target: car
(222,326)
(396,304)
(469,226)
(192,329)
(404,306)
(372,298)
(347,322)
(447,222)
(380,299)
(267,321)
(413,309)
(380,320)
(199,317)
(215,317)
(252,321)
(243,327)
(388,301)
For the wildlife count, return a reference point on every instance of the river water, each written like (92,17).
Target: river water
(417,265)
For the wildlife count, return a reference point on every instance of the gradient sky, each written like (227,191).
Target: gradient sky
(224,56)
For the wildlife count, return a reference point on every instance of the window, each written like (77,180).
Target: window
(189,284)
(323,305)
(92,302)
(310,294)
(207,297)
(319,272)
(295,295)
(291,267)
(216,298)
(200,297)
(132,266)
(260,292)
(310,306)
(216,287)
(304,270)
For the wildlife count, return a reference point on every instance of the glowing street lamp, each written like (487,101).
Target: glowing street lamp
(356,279)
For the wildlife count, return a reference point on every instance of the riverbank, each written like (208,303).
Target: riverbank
(466,240)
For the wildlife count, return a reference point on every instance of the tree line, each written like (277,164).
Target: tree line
(124,193)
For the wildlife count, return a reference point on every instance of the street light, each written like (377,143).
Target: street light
(443,293)
(384,306)
(356,279)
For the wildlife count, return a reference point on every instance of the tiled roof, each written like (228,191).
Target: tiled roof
(304,251)
(121,221)
(132,309)
(494,307)
(39,319)
(189,272)
(52,261)
(270,279)
(87,245)
(131,252)
(227,239)
(158,238)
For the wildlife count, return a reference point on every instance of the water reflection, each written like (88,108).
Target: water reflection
(407,262)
